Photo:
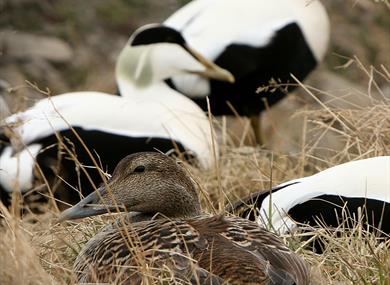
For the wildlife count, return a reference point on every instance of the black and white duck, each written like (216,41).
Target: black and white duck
(149,116)
(256,40)
(327,198)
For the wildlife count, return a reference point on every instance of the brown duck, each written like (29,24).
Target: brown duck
(169,237)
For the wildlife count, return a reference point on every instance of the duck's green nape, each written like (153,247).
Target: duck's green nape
(135,65)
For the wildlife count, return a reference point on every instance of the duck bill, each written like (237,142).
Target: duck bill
(87,207)
(212,70)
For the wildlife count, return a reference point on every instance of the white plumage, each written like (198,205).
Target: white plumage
(367,180)
(211,26)
(148,109)
(170,116)
(16,171)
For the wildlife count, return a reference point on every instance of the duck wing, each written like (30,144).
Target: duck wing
(286,267)
(131,254)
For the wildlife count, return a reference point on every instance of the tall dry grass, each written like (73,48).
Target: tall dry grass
(38,250)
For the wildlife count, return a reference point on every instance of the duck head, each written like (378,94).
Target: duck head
(146,182)
(155,53)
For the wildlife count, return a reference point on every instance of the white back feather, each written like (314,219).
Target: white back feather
(366,178)
(210,25)
(154,114)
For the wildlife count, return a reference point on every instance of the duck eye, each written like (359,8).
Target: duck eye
(139,169)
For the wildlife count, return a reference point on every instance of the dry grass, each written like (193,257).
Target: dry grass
(37,250)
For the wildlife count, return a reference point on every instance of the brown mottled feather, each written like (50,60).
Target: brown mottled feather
(236,250)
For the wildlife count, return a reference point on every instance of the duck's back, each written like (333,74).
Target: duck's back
(232,249)
(211,25)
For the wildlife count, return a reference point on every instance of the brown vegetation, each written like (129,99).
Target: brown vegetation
(348,121)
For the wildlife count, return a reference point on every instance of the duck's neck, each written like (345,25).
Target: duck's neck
(130,90)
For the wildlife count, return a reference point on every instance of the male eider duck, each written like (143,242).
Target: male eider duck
(326,198)
(170,236)
(256,40)
(151,116)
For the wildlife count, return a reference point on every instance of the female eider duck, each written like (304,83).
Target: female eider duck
(326,198)
(150,116)
(256,40)
(169,235)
